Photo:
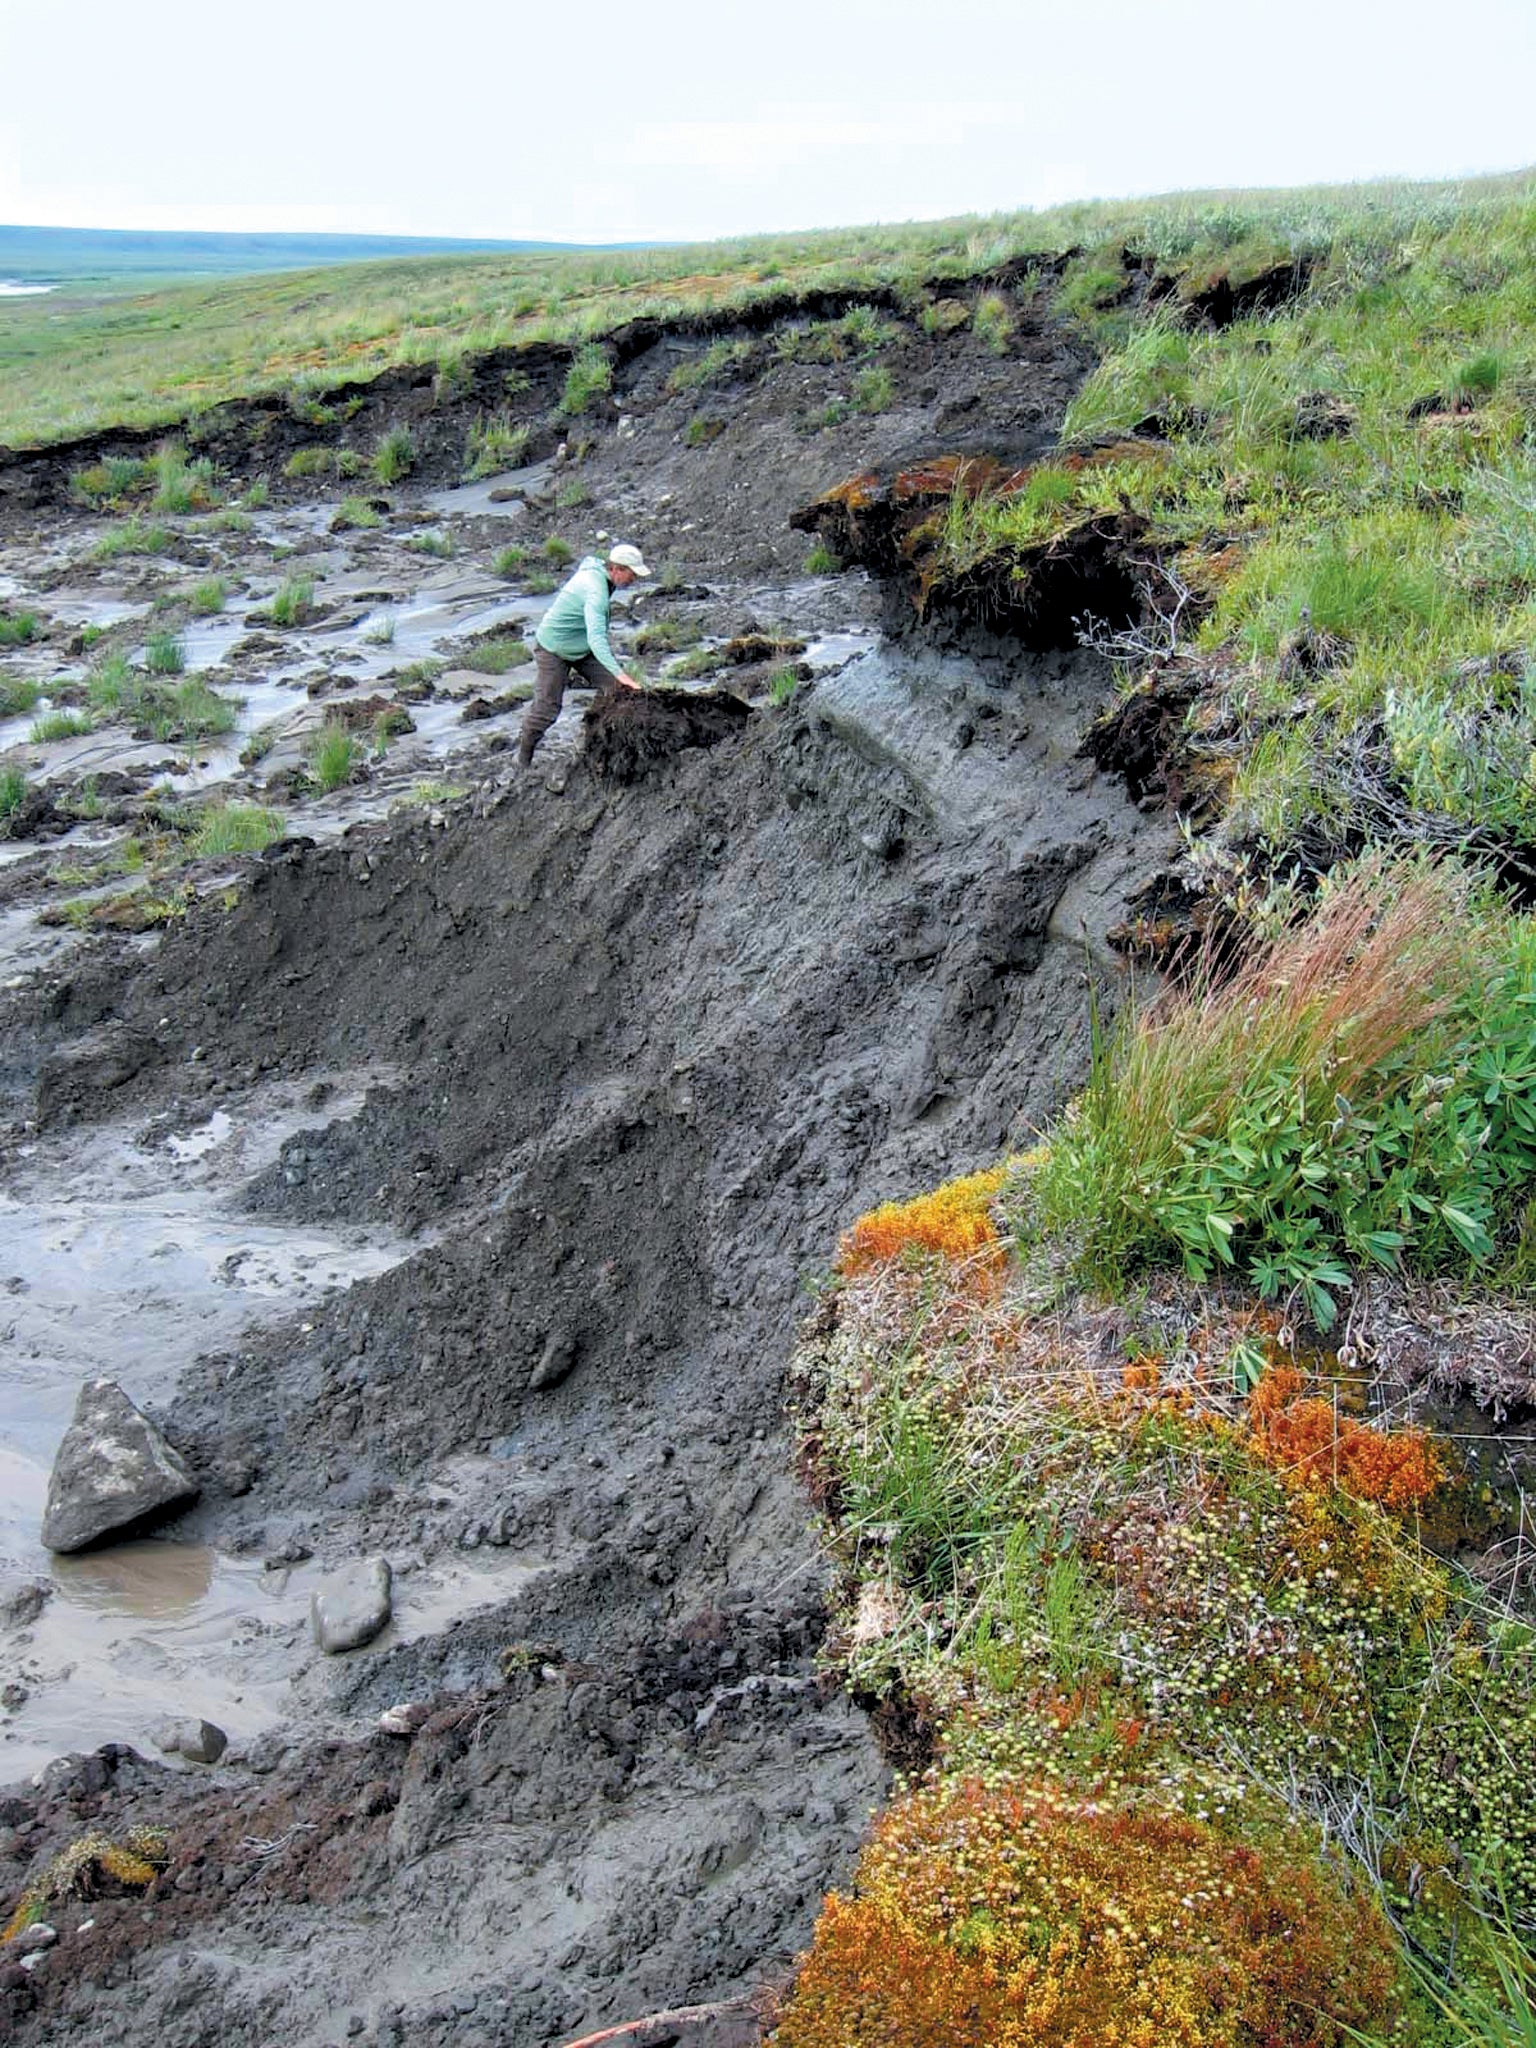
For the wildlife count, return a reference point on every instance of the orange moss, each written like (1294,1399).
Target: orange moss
(1310,1443)
(1017,1918)
(854,492)
(944,474)
(93,1867)
(955,1221)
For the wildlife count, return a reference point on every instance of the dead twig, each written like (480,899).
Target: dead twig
(685,2015)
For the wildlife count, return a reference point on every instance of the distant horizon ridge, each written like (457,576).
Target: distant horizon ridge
(34,253)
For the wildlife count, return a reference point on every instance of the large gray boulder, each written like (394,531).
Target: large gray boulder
(351,1604)
(113,1468)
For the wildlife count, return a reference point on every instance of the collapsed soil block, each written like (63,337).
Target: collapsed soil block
(629,735)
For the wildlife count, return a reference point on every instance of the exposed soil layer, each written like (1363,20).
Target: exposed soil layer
(1039,596)
(628,736)
(667,1018)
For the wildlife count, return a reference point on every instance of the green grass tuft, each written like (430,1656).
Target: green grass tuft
(395,457)
(293,602)
(18,695)
(590,377)
(60,725)
(356,513)
(494,657)
(183,712)
(134,537)
(165,654)
(496,442)
(18,629)
(334,756)
(234,828)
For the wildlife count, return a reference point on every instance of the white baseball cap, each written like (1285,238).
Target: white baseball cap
(626,557)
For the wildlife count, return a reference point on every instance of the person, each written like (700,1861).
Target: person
(572,640)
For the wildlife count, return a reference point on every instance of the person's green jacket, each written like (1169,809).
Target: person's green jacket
(577,622)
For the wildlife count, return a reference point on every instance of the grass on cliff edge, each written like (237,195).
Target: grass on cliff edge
(69,366)
(1341,503)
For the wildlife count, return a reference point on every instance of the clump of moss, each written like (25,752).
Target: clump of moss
(1016,1913)
(96,1866)
(954,1221)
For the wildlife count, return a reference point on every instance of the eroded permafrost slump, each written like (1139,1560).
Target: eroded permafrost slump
(655,1045)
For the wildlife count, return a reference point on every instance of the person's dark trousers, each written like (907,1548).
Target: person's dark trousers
(554,676)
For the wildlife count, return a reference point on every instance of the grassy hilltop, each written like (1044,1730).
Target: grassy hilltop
(1209,1636)
(71,367)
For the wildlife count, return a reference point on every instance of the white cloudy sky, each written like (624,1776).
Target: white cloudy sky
(667,119)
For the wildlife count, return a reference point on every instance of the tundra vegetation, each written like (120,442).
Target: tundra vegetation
(1225,1663)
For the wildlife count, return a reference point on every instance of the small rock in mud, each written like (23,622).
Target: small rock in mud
(405,1718)
(113,1469)
(200,1742)
(21,1605)
(556,1361)
(351,1604)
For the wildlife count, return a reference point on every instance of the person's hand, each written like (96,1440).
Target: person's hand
(626,682)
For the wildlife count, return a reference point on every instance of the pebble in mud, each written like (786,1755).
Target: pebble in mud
(200,1742)
(21,1604)
(351,1605)
(556,1361)
(404,1719)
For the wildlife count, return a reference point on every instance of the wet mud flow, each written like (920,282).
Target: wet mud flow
(448,1180)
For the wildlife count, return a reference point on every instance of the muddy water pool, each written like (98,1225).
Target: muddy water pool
(123,1253)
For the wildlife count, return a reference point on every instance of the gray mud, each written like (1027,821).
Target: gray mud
(637,1050)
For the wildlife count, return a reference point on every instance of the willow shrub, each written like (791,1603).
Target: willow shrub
(1364,1090)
